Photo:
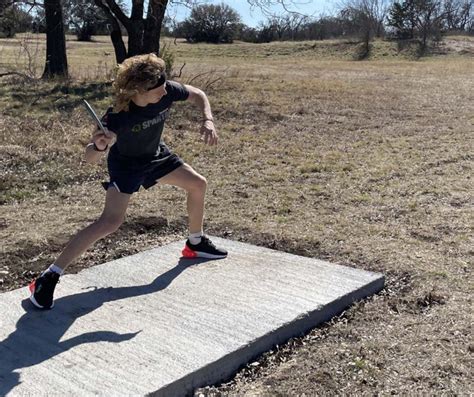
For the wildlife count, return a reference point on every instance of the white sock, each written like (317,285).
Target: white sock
(195,238)
(55,269)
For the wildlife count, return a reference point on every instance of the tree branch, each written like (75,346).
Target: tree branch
(25,76)
(117,11)
(180,71)
(137,10)
(266,5)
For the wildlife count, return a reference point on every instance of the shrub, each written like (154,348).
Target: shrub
(211,23)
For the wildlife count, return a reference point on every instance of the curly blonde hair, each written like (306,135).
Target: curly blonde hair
(135,75)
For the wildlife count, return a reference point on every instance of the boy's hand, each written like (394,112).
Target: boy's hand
(209,132)
(101,140)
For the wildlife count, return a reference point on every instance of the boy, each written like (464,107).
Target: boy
(138,157)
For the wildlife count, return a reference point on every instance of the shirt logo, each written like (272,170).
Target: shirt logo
(149,123)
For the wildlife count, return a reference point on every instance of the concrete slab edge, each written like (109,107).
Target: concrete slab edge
(224,368)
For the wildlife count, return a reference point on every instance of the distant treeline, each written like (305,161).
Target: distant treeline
(421,22)
(221,24)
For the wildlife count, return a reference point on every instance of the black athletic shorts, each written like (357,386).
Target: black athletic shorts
(128,175)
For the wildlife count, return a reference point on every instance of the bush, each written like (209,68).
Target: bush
(14,20)
(211,23)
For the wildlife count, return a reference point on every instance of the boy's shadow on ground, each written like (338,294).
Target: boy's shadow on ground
(37,334)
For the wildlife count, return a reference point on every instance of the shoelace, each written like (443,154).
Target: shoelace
(206,240)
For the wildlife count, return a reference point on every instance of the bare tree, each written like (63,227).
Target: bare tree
(429,21)
(364,18)
(294,24)
(144,29)
(56,59)
(84,17)
(286,26)
(279,25)
(458,14)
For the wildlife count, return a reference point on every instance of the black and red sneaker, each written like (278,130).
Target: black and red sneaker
(42,290)
(205,249)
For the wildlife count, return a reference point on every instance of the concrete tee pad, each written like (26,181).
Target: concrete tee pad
(154,323)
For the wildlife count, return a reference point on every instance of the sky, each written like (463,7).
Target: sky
(252,17)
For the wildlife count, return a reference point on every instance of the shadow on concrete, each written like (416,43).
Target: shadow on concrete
(38,333)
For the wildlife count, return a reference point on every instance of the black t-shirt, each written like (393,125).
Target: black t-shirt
(139,129)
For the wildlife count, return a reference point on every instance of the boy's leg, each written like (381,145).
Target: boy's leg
(42,289)
(195,185)
(116,204)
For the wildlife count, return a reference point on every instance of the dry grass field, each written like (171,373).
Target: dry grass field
(362,163)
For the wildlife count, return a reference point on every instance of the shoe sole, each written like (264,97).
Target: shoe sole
(190,254)
(209,256)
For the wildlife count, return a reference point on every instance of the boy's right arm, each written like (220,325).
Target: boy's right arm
(98,145)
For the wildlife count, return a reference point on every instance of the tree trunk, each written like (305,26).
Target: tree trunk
(115,33)
(135,29)
(143,35)
(117,41)
(56,59)
(155,15)
(135,38)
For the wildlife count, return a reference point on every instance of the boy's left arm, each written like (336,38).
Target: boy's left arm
(199,98)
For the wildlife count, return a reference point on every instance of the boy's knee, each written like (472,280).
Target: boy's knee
(200,183)
(197,184)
